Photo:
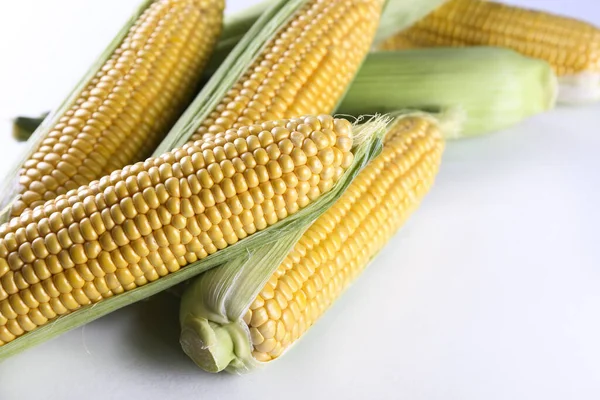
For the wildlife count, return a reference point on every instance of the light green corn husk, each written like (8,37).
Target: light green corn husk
(495,87)
(213,305)
(400,14)
(367,146)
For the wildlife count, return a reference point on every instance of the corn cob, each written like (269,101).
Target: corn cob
(153,218)
(572,47)
(225,325)
(126,108)
(305,69)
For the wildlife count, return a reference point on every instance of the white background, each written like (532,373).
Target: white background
(491,291)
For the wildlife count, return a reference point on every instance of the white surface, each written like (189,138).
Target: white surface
(489,292)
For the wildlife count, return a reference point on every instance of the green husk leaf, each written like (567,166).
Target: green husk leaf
(401,14)
(213,305)
(9,186)
(495,87)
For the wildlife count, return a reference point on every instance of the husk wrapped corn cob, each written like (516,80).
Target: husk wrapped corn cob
(125,105)
(252,309)
(494,88)
(572,47)
(151,219)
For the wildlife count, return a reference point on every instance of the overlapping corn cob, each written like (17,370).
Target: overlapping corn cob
(572,47)
(124,111)
(153,218)
(304,70)
(220,330)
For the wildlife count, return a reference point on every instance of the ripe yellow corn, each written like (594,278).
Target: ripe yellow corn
(570,46)
(323,262)
(125,110)
(305,69)
(152,218)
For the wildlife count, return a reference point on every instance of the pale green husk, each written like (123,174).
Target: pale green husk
(495,87)
(401,14)
(367,141)
(213,333)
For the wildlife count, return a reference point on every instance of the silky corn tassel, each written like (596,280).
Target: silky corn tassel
(128,107)
(152,218)
(305,69)
(340,244)
(569,45)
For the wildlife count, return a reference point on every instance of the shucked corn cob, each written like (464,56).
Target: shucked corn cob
(108,237)
(225,325)
(572,47)
(305,69)
(125,110)
(153,218)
